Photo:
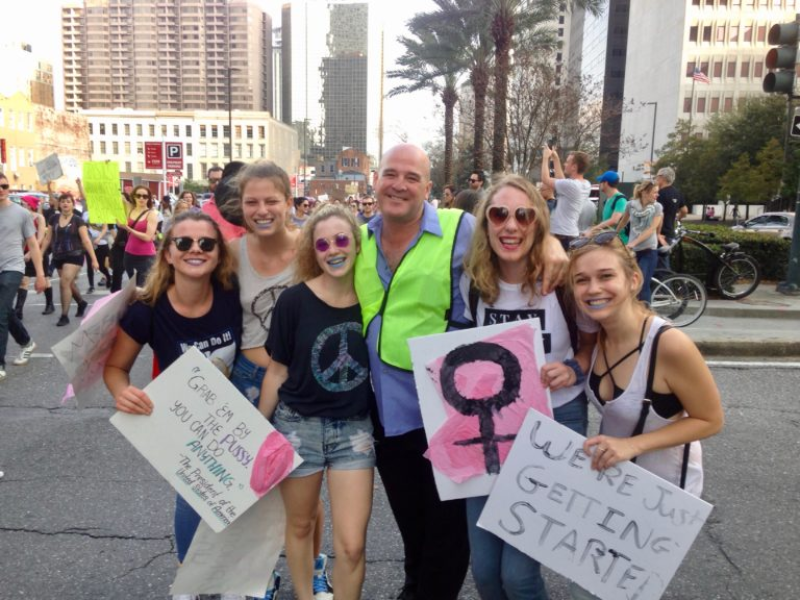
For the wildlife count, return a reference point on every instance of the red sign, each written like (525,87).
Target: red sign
(3,151)
(153,158)
(174,155)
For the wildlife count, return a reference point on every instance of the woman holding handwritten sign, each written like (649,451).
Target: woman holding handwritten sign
(189,299)
(656,394)
(502,283)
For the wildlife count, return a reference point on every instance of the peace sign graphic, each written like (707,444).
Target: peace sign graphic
(344,373)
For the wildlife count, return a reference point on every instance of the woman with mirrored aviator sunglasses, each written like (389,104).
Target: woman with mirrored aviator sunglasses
(502,283)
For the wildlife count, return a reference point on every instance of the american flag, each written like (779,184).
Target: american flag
(698,75)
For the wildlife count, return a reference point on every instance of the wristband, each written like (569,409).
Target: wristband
(580,376)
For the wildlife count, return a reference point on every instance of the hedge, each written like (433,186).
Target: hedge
(770,251)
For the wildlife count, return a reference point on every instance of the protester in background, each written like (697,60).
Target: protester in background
(325,417)
(40,226)
(467,200)
(674,209)
(190,299)
(367,212)
(140,249)
(502,283)
(613,208)
(571,189)
(117,250)
(476,181)
(223,205)
(645,216)
(300,215)
(652,386)
(449,196)
(190,198)
(68,237)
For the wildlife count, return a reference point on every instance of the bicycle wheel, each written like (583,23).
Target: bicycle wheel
(739,278)
(680,299)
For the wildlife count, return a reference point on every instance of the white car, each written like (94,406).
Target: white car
(775,223)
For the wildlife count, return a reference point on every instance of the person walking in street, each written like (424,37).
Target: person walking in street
(674,209)
(32,204)
(649,381)
(67,236)
(613,208)
(142,224)
(571,190)
(16,231)
(117,250)
(406,279)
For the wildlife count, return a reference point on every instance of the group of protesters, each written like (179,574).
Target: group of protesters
(317,309)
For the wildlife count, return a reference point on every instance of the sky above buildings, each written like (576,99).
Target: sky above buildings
(39,24)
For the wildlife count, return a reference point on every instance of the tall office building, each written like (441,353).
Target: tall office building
(725,39)
(176,55)
(326,74)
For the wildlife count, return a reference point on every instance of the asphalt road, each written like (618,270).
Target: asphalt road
(83,517)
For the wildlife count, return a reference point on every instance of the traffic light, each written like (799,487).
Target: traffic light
(782,60)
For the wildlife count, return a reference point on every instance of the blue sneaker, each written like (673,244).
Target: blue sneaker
(321,586)
(273,586)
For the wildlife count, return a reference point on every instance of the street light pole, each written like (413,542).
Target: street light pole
(230,75)
(653,138)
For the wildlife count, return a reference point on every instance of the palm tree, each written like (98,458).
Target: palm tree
(511,19)
(426,64)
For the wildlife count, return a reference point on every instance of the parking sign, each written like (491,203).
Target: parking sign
(174,151)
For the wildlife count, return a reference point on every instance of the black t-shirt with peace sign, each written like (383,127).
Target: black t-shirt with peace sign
(325,352)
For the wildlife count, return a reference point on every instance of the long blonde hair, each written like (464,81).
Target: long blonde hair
(481,263)
(162,275)
(306,266)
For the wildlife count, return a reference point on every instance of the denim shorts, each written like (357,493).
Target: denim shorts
(340,444)
(247,377)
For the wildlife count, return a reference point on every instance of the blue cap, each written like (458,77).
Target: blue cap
(611,177)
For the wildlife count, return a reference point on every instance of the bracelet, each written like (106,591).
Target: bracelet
(580,376)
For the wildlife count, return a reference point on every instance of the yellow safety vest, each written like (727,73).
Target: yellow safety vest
(419,297)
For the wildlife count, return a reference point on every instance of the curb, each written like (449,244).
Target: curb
(767,348)
(751,312)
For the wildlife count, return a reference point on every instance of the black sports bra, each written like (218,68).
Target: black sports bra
(666,406)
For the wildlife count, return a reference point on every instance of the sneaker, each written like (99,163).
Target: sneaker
(49,309)
(273,586)
(90,291)
(2,372)
(64,320)
(81,308)
(25,354)
(321,586)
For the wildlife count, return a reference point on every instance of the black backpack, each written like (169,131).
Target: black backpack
(616,197)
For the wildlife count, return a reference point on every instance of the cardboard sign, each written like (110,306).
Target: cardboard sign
(49,168)
(475,387)
(103,196)
(208,441)
(618,533)
(83,353)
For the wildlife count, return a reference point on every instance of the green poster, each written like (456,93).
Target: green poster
(102,189)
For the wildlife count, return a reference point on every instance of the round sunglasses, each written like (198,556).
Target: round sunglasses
(184,244)
(498,215)
(340,240)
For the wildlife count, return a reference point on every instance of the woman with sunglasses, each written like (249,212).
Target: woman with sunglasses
(265,268)
(649,381)
(142,225)
(68,238)
(502,283)
(190,299)
(317,391)
(645,216)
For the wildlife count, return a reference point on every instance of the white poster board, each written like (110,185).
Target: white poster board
(619,533)
(49,168)
(438,415)
(208,441)
(83,353)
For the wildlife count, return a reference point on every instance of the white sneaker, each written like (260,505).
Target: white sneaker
(2,372)
(25,354)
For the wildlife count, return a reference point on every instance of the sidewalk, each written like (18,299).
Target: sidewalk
(766,324)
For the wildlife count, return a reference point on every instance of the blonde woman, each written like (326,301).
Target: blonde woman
(645,216)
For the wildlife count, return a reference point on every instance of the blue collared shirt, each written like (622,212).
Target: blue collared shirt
(395,391)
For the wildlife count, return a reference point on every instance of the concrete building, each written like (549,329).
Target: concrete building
(152,55)
(120,135)
(725,39)
(25,72)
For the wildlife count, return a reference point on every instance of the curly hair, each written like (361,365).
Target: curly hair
(481,263)
(162,275)
(306,266)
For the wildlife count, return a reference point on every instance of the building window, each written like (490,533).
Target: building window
(139,148)
(758,70)
(718,68)
(214,131)
(226,131)
(249,151)
(701,105)
(103,148)
(690,66)
(127,148)
(152,130)
(163,131)
(249,132)
(202,131)
(190,171)
(189,131)
(128,166)
(176,130)
(720,34)
(707,33)
(189,150)
(238,131)
(262,149)
(747,34)
(734,34)
(704,67)
(715,104)
(731,69)
(114,129)
(238,150)
(261,134)
(91,128)
(745,71)
(102,128)
(139,129)
(761,34)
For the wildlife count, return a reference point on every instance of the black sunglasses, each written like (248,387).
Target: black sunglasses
(473,180)
(4,186)
(498,215)
(601,239)
(184,244)
(142,196)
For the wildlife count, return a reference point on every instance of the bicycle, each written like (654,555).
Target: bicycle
(732,273)
(680,299)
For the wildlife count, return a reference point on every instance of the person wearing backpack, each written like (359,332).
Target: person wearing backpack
(614,206)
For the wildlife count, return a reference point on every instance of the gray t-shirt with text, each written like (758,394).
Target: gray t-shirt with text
(16,226)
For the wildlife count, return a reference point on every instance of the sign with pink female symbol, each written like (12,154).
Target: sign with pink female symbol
(475,387)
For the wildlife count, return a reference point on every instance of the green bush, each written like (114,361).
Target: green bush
(770,251)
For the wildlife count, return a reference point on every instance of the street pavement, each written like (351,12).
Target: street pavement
(83,517)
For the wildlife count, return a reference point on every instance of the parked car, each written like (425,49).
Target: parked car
(775,223)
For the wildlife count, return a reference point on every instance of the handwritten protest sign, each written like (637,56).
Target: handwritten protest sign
(83,353)
(103,195)
(208,441)
(619,533)
(238,560)
(49,168)
(475,387)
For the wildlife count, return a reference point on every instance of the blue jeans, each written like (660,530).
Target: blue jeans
(247,377)
(647,260)
(500,571)
(9,322)
(186,522)
(140,264)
